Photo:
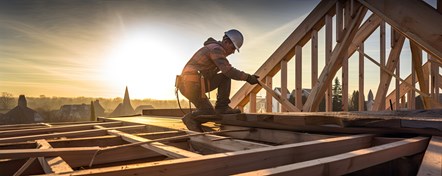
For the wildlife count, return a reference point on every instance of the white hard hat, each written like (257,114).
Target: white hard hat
(236,37)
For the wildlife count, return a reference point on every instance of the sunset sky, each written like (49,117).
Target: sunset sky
(95,48)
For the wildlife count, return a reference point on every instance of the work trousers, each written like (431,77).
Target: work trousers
(193,92)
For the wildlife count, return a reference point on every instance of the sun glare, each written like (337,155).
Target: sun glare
(140,61)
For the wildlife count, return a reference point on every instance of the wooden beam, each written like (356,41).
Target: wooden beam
(414,19)
(66,128)
(284,84)
(384,84)
(435,79)
(349,162)
(432,162)
(333,66)
(328,51)
(398,85)
(52,164)
(25,166)
(241,161)
(345,84)
(269,97)
(361,100)
(158,147)
(82,133)
(298,77)
(416,54)
(27,153)
(223,144)
(339,21)
(314,68)
(300,36)
(284,102)
(273,136)
(252,102)
(382,74)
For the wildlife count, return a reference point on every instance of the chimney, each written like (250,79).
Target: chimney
(22,101)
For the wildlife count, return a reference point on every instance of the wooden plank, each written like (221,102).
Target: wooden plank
(349,162)
(24,167)
(361,100)
(300,36)
(328,51)
(66,128)
(252,102)
(412,94)
(273,136)
(435,78)
(385,80)
(345,84)
(298,77)
(223,144)
(27,153)
(414,19)
(241,161)
(269,97)
(158,147)
(284,102)
(52,164)
(382,51)
(284,84)
(339,21)
(82,133)
(432,162)
(397,86)
(416,54)
(314,55)
(333,66)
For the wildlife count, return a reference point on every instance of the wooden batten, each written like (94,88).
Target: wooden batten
(361,100)
(339,21)
(314,57)
(328,51)
(252,102)
(269,97)
(382,52)
(397,85)
(345,84)
(283,84)
(298,77)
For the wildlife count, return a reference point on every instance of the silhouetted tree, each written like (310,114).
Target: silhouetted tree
(6,101)
(337,95)
(354,101)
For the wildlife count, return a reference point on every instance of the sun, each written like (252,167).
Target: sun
(146,64)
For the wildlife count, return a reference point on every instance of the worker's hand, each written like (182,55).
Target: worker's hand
(252,79)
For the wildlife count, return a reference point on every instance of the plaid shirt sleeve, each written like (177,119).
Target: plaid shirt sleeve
(218,57)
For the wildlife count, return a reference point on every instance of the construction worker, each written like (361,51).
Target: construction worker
(201,75)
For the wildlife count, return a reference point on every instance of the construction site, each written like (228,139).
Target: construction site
(394,138)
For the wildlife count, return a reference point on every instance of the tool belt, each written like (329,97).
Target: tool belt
(194,78)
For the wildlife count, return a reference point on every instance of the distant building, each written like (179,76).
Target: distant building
(21,114)
(74,112)
(370,101)
(125,108)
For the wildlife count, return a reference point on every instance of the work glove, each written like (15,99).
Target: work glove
(252,79)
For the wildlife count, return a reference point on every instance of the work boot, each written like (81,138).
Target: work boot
(199,112)
(191,124)
(227,110)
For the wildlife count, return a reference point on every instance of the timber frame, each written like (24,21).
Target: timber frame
(410,21)
(246,144)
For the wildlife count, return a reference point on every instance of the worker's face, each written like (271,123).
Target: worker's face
(230,47)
